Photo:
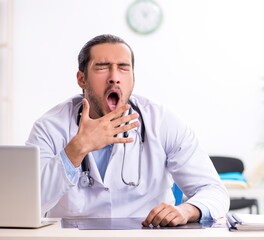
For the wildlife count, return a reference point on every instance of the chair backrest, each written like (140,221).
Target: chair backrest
(224,164)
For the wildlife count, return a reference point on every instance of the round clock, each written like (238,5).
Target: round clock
(144,16)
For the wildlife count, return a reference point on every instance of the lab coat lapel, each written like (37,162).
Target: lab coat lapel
(113,171)
(94,170)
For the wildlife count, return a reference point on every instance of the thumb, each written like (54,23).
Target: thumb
(86,109)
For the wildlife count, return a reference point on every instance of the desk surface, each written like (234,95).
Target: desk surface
(56,232)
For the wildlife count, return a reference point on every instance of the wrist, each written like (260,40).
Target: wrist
(192,212)
(75,152)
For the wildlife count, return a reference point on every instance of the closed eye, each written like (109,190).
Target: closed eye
(102,66)
(124,66)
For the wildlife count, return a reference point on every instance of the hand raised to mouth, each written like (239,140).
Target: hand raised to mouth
(94,134)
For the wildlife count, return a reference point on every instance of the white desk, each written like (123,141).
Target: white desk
(54,232)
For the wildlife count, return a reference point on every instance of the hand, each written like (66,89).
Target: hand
(169,215)
(94,134)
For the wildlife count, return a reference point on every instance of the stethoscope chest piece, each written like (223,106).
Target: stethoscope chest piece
(86,180)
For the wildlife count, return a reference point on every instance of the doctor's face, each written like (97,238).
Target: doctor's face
(110,79)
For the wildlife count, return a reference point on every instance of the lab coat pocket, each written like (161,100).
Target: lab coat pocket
(74,201)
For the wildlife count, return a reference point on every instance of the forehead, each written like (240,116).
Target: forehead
(111,52)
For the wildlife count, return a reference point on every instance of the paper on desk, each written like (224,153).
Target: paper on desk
(245,222)
(249,219)
(119,224)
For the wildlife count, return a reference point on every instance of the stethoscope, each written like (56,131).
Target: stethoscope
(86,180)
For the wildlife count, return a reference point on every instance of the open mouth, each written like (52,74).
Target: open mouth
(112,100)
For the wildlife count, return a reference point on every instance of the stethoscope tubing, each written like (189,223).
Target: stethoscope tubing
(86,180)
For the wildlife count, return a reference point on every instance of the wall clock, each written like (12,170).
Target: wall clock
(144,16)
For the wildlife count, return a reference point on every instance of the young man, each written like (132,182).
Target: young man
(108,153)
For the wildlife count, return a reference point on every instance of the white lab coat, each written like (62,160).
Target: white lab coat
(170,152)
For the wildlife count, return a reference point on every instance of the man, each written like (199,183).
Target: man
(107,153)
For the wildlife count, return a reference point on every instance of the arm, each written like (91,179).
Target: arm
(193,171)
(53,135)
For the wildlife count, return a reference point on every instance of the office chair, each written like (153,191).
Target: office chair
(178,195)
(235,167)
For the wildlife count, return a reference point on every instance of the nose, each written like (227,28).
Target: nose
(114,76)
(113,81)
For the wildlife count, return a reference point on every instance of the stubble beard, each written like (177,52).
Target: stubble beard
(95,103)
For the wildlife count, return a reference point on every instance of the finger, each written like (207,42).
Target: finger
(125,119)
(175,217)
(170,217)
(177,220)
(153,213)
(125,128)
(117,113)
(122,140)
(161,218)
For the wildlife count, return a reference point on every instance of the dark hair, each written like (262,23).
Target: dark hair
(85,53)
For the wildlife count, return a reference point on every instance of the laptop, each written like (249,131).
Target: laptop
(20,195)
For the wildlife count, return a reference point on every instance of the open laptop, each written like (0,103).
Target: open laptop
(20,195)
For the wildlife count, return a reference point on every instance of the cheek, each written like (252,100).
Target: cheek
(128,89)
(132,83)
(95,81)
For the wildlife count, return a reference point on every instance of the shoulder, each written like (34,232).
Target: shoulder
(145,104)
(61,114)
(64,108)
(158,115)
(151,107)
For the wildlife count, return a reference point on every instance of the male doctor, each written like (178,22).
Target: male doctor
(109,154)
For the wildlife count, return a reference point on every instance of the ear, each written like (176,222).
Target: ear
(81,79)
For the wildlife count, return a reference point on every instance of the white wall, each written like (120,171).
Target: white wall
(6,27)
(206,63)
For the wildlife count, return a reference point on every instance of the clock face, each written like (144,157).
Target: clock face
(144,16)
